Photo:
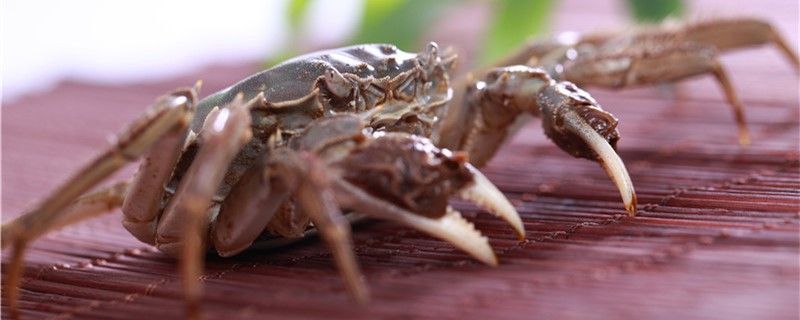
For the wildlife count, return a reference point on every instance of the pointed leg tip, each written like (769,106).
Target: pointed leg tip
(744,139)
(631,210)
(631,206)
(361,295)
(521,235)
(193,311)
(519,230)
(358,288)
(15,313)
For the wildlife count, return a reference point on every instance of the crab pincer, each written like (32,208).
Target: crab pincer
(404,178)
(415,188)
(571,118)
(577,124)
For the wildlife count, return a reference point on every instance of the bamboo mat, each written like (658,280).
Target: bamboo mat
(716,235)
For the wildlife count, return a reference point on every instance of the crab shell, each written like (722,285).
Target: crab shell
(377,79)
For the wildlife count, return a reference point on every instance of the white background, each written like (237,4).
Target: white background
(123,41)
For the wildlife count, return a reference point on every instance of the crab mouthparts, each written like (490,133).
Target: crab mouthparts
(607,157)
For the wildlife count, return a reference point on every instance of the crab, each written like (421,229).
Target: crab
(331,137)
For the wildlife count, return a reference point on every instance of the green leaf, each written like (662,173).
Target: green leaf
(376,11)
(655,10)
(297,12)
(399,22)
(514,22)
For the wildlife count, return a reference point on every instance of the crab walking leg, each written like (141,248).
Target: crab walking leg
(646,64)
(142,206)
(86,206)
(723,34)
(305,175)
(185,219)
(735,33)
(168,112)
(173,110)
(318,203)
(246,211)
(570,118)
(733,100)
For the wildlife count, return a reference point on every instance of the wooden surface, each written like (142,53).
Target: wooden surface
(716,235)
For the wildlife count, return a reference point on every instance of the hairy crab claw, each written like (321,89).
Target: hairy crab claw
(406,179)
(576,123)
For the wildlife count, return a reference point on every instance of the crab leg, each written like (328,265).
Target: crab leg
(168,112)
(305,174)
(734,33)
(142,205)
(724,34)
(648,64)
(185,219)
(318,202)
(251,204)
(86,206)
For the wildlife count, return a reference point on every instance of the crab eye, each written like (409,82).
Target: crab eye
(432,53)
(336,83)
(576,94)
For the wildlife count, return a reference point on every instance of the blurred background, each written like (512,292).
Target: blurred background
(122,42)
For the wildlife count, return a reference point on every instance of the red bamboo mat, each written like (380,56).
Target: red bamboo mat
(716,235)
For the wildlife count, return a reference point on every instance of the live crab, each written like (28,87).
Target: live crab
(332,136)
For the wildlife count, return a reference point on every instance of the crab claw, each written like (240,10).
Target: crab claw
(485,194)
(451,227)
(577,124)
(607,157)
(405,178)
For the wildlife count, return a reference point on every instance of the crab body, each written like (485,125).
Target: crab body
(377,81)
(384,87)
